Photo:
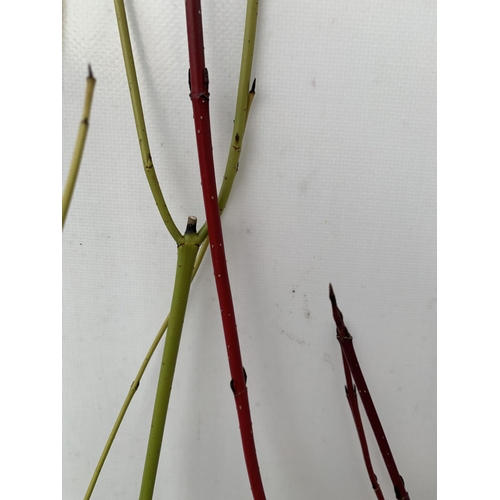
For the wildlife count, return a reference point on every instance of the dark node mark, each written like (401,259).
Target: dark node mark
(237,138)
(150,161)
(252,90)
(85,121)
(396,489)
(231,384)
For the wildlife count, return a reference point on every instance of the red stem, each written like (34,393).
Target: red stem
(200,100)
(345,340)
(352,399)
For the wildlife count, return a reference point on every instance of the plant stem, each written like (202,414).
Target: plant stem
(242,110)
(345,340)
(243,103)
(142,135)
(200,100)
(135,384)
(186,255)
(352,399)
(79,146)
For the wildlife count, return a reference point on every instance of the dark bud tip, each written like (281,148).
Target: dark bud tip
(333,300)
(191,225)
(91,75)
(252,90)
(337,315)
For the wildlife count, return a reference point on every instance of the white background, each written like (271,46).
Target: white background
(336,184)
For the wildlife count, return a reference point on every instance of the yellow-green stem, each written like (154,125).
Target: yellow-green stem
(79,146)
(186,255)
(140,124)
(135,384)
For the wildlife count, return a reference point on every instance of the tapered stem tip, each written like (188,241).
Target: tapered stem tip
(333,300)
(91,75)
(337,315)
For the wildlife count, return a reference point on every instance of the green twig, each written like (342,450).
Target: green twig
(186,255)
(136,382)
(140,124)
(79,146)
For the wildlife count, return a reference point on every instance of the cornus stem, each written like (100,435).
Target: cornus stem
(147,160)
(200,101)
(348,353)
(186,256)
(135,384)
(350,390)
(79,146)
(244,101)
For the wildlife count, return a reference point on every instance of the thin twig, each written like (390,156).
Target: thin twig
(79,146)
(140,124)
(200,99)
(186,256)
(243,103)
(136,382)
(350,390)
(345,340)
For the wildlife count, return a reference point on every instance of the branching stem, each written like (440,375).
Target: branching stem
(243,105)
(352,399)
(348,353)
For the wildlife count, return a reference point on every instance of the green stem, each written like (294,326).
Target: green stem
(135,384)
(243,103)
(186,255)
(140,124)
(79,146)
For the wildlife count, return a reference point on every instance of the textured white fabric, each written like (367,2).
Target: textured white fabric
(336,184)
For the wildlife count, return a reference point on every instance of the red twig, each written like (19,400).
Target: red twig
(200,100)
(345,340)
(352,399)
